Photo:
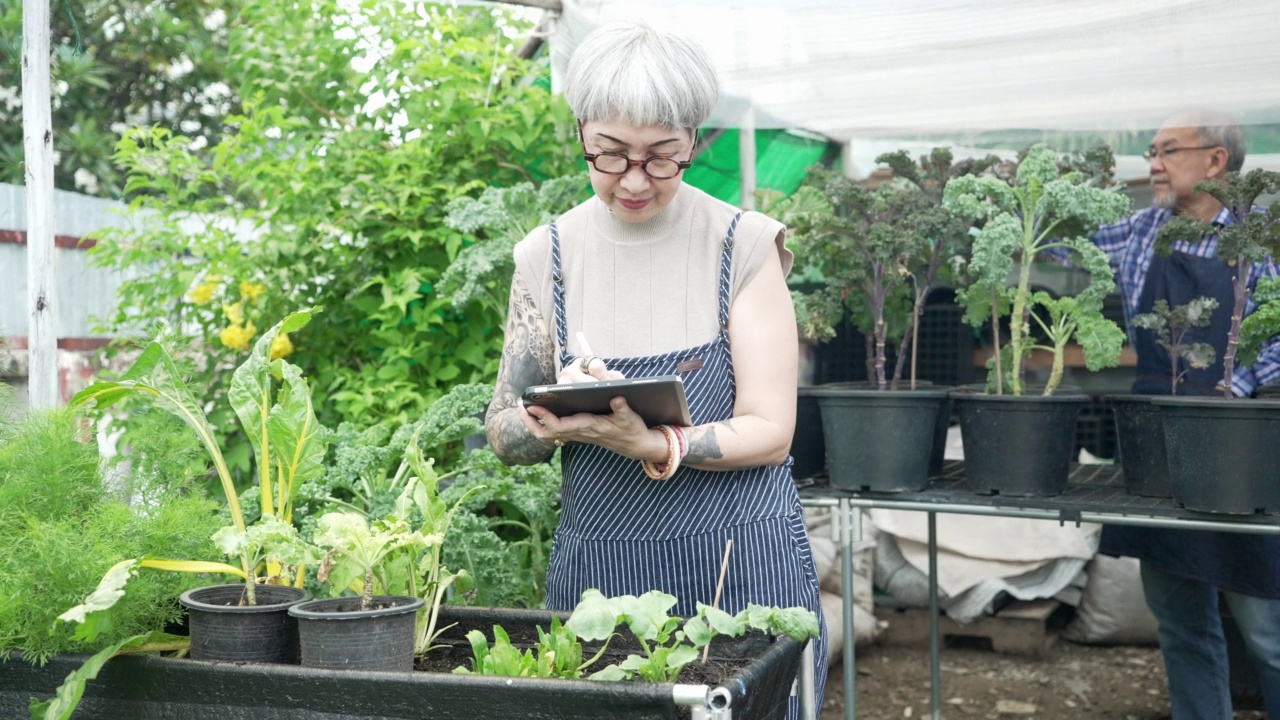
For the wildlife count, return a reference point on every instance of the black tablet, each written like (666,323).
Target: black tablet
(659,400)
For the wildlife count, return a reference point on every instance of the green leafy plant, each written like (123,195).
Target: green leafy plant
(330,187)
(1170,327)
(878,252)
(388,555)
(62,514)
(1039,208)
(558,654)
(507,514)
(501,217)
(287,438)
(1263,323)
(1248,239)
(668,643)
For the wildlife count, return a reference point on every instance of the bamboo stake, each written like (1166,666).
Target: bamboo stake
(724,568)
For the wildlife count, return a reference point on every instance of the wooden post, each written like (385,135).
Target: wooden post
(37,131)
(747,158)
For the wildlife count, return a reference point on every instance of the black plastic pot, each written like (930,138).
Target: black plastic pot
(1140,434)
(1018,445)
(1222,453)
(756,687)
(222,629)
(336,633)
(879,440)
(808,451)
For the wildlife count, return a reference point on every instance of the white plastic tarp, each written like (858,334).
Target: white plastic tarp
(927,69)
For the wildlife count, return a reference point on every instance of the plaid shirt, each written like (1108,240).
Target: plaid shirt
(1130,244)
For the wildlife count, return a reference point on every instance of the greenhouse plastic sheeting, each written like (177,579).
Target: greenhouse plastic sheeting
(997,74)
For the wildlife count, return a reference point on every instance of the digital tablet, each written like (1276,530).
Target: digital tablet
(659,400)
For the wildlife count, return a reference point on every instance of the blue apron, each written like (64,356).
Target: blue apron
(623,533)
(1240,562)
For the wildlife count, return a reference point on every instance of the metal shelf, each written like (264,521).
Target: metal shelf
(1094,493)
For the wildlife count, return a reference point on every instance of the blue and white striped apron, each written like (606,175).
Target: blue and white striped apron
(623,533)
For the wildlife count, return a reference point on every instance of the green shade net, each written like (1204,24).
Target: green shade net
(781,160)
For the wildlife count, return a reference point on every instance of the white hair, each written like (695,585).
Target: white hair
(1214,128)
(629,72)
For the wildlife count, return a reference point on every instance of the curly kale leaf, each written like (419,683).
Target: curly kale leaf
(1263,323)
(978,197)
(994,249)
(500,218)
(1101,339)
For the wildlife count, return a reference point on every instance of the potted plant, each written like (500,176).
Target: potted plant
(1218,447)
(398,570)
(879,252)
(289,444)
(1016,444)
(1139,424)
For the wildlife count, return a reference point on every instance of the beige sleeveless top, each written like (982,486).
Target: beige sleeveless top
(638,289)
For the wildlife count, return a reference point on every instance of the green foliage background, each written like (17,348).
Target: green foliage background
(63,524)
(358,129)
(137,62)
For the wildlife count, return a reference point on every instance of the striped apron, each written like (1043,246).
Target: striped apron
(625,534)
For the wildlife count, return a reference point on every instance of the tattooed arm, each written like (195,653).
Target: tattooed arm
(527,359)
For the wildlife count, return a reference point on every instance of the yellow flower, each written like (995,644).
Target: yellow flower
(237,337)
(281,346)
(203,293)
(251,291)
(234,313)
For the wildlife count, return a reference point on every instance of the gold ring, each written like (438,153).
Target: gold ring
(559,442)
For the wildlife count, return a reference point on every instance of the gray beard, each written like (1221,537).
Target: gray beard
(1166,200)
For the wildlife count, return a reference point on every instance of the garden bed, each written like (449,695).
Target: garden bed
(761,673)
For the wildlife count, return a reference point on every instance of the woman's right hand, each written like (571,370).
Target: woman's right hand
(588,368)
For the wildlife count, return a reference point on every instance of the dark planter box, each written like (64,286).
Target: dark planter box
(153,688)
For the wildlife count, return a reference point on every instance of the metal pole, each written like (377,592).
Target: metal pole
(747,158)
(37,133)
(808,702)
(935,673)
(848,519)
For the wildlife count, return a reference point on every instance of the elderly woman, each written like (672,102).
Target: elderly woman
(660,279)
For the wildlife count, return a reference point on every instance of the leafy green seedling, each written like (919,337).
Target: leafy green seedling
(1170,328)
(667,644)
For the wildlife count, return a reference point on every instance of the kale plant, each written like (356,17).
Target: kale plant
(1263,323)
(500,218)
(1248,239)
(879,251)
(1040,207)
(1171,326)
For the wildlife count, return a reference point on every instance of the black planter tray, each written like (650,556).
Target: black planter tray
(157,688)
(1091,489)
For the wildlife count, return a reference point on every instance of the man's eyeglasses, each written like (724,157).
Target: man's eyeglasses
(1153,152)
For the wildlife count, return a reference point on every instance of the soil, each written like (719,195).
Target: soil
(1069,683)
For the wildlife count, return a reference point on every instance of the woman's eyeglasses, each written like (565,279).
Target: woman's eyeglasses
(658,168)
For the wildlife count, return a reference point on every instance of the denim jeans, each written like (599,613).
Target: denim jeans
(1195,649)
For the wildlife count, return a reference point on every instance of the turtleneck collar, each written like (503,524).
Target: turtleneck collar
(661,226)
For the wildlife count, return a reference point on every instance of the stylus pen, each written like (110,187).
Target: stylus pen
(583,346)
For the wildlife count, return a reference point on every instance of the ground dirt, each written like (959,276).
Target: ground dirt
(1069,683)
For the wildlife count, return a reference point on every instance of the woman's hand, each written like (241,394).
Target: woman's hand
(588,368)
(622,431)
